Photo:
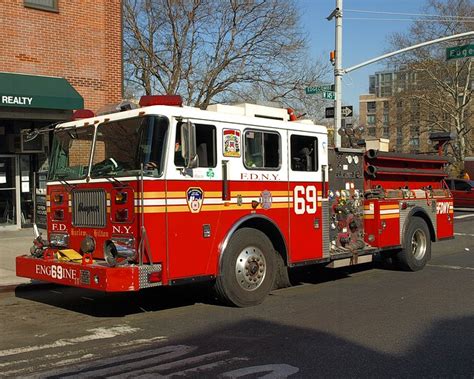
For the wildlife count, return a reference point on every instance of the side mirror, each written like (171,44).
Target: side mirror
(188,148)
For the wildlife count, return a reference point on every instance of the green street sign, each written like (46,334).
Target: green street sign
(318,89)
(457,52)
(329,95)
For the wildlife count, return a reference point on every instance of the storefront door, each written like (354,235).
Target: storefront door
(10,212)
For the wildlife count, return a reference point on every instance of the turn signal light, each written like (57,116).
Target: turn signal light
(154,277)
(120,197)
(58,214)
(121,215)
(58,198)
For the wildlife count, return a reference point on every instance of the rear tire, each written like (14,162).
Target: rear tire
(416,250)
(247,270)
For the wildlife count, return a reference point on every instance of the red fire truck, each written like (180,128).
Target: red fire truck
(236,194)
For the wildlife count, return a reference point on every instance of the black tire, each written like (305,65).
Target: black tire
(416,249)
(282,276)
(247,269)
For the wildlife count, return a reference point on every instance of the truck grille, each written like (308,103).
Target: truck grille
(89,208)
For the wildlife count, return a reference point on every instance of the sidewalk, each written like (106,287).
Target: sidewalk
(12,244)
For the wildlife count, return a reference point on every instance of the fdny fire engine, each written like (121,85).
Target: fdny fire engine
(167,194)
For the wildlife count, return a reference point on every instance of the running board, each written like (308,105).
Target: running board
(350,261)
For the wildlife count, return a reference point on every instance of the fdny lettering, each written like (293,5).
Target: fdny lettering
(442,208)
(121,229)
(56,272)
(58,227)
(17,100)
(258,176)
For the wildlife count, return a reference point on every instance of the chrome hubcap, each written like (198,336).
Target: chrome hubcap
(418,244)
(250,268)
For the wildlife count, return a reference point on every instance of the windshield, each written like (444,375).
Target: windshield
(70,153)
(122,146)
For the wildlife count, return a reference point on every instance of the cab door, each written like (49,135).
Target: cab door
(191,198)
(307,160)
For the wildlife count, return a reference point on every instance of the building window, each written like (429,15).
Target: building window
(372,84)
(385,119)
(415,143)
(386,132)
(371,119)
(386,107)
(371,131)
(46,5)
(371,107)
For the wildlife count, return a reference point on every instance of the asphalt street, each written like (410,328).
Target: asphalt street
(369,321)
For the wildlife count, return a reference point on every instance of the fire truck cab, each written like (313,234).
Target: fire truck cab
(236,194)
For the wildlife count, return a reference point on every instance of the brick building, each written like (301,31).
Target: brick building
(56,56)
(387,113)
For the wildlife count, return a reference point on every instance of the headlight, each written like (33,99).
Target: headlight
(59,239)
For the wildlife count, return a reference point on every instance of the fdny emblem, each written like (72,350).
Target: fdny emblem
(194,197)
(266,199)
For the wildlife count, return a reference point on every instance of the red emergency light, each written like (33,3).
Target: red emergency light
(82,113)
(173,100)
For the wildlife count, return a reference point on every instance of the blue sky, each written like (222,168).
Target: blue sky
(362,39)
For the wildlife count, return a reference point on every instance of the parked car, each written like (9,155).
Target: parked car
(463,192)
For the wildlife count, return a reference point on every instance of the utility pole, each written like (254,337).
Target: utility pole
(338,71)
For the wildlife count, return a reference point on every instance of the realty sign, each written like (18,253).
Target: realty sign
(457,52)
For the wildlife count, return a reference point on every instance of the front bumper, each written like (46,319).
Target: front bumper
(97,276)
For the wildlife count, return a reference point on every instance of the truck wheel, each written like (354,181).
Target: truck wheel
(247,269)
(416,251)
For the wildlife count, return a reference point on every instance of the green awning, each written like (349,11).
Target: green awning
(30,91)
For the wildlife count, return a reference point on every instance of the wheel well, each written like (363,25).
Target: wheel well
(271,231)
(428,222)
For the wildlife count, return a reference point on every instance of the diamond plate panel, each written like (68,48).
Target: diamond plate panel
(144,271)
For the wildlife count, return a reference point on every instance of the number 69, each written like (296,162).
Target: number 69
(305,200)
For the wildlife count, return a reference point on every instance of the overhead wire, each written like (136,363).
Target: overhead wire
(435,16)
(403,19)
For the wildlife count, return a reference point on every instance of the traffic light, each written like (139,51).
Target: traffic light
(332,57)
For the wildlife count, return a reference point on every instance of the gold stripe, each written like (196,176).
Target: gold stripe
(48,209)
(384,217)
(108,209)
(208,208)
(320,204)
(70,210)
(108,196)
(150,195)
(391,206)
(48,197)
(368,217)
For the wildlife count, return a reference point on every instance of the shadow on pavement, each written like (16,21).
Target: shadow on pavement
(255,347)
(99,304)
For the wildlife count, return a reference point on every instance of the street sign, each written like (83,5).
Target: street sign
(346,111)
(329,95)
(319,89)
(457,52)
(329,113)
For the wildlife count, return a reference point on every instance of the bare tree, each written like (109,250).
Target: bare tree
(218,50)
(438,93)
